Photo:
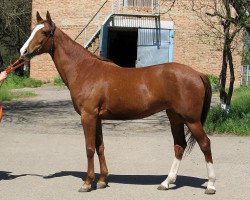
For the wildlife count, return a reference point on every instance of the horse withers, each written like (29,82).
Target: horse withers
(102,90)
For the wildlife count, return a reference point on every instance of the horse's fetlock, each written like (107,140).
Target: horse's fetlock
(171,178)
(105,173)
(91,176)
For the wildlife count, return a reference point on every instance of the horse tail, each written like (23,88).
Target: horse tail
(207,98)
(206,106)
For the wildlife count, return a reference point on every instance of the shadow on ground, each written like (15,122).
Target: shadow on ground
(29,111)
(182,181)
(8,175)
(61,114)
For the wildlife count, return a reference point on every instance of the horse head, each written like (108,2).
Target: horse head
(41,39)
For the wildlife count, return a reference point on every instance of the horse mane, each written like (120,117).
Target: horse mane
(101,58)
(92,54)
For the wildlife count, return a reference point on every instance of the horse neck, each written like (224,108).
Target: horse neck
(68,55)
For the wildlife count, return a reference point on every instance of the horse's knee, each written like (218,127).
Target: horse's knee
(90,152)
(205,145)
(100,150)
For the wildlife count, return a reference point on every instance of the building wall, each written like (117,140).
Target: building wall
(192,48)
(71,17)
(189,46)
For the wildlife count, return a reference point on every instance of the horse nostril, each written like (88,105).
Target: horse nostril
(25,52)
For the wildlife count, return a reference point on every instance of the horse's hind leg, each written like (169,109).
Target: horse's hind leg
(204,143)
(177,128)
(100,152)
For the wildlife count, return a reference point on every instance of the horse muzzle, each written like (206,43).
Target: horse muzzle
(28,55)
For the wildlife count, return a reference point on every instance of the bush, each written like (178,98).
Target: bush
(213,79)
(246,56)
(58,81)
(237,121)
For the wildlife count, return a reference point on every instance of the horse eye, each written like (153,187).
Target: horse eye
(45,34)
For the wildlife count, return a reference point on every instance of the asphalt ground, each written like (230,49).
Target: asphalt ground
(42,156)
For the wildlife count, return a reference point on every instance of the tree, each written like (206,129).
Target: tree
(15,23)
(1,60)
(242,7)
(225,24)
(225,19)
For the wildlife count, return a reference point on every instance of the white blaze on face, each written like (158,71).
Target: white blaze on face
(26,44)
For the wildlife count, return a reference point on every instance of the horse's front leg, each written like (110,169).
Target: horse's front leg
(89,127)
(100,152)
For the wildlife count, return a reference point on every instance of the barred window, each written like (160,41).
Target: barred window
(138,3)
(245,78)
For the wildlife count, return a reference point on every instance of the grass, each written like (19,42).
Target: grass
(237,122)
(25,94)
(58,81)
(15,82)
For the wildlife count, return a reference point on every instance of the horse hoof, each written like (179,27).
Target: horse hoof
(210,191)
(101,185)
(85,189)
(162,187)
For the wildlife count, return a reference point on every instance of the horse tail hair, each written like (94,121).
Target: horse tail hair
(206,106)
(207,98)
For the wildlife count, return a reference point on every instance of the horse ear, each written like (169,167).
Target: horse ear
(48,18)
(38,17)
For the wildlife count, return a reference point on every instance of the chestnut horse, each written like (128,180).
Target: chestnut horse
(102,90)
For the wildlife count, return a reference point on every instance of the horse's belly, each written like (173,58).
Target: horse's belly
(136,101)
(127,112)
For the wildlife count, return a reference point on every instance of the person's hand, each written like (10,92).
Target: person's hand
(3,75)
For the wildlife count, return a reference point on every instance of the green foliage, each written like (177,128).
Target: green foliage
(8,95)
(237,121)
(14,82)
(213,79)
(58,81)
(246,57)
(15,24)
(5,94)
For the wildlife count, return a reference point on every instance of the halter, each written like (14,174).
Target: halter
(52,49)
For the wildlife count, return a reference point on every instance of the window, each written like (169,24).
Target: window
(138,3)
(245,79)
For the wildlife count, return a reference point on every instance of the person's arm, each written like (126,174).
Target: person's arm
(3,75)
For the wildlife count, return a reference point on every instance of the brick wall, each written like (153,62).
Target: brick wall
(70,16)
(189,46)
(194,49)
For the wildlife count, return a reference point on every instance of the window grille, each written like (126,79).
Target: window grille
(245,78)
(138,3)
(153,4)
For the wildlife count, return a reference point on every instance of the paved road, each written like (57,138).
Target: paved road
(43,157)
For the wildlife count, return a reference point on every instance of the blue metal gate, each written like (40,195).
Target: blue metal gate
(154,47)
